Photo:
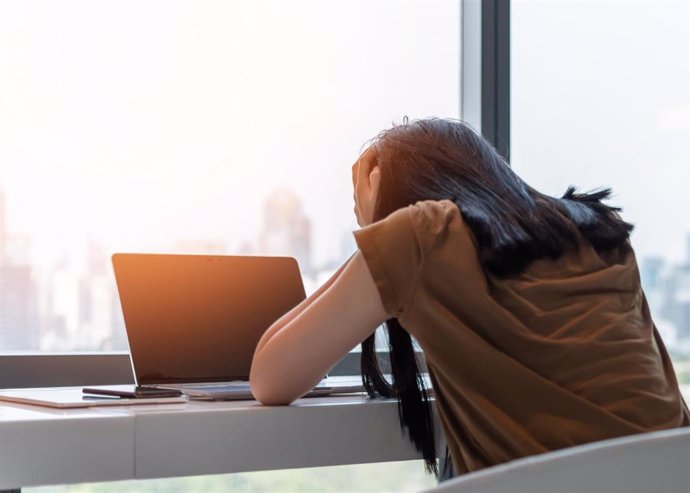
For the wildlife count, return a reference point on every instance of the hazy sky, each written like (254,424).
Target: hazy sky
(601,97)
(138,124)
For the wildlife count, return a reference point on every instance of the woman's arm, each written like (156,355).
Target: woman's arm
(292,358)
(282,321)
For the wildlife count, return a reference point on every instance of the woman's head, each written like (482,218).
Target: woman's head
(437,159)
(432,159)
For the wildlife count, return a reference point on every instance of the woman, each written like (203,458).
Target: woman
(528,308)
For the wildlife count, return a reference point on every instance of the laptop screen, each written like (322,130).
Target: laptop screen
(198,318)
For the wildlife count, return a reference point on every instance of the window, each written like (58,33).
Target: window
(600,99)
(192,127)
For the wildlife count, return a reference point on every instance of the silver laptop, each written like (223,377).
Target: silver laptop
(193,321)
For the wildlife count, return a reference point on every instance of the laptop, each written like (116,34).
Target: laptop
(193,321)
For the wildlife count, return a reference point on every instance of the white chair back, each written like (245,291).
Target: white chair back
(657,462)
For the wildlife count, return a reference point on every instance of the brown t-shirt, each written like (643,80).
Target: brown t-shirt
(563,354)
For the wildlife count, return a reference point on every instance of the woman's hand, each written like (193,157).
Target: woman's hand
(366,179)
(296,352)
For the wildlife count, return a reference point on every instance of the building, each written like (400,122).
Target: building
(19,321)
(286,230)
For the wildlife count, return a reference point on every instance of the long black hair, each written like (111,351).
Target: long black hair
(513,225)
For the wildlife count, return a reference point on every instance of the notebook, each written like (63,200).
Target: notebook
(193,321)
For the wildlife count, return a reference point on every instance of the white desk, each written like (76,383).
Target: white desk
(40,446)
(43,446)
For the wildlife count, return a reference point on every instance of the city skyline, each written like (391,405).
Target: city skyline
(64,308)
(67,307)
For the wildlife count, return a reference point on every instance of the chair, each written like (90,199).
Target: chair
(657,462)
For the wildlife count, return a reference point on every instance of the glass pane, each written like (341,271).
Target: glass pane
(187,126)
(600,98)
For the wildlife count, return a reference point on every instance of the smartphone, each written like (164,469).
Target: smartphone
(131,391)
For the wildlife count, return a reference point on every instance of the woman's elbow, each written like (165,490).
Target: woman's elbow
(269,397)
(267,391)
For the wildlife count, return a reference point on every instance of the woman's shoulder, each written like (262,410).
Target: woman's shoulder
(434,215)
(423,216)
(439,222)
(427,223)
(435,208)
